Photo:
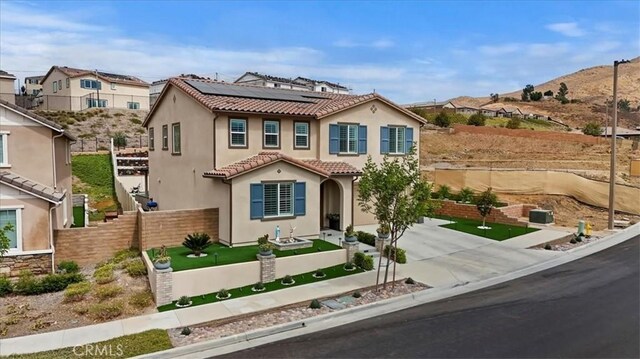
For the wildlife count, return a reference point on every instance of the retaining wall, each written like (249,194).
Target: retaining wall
(506,215)
(170,227)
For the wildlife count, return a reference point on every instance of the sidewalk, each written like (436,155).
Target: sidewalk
(459,260)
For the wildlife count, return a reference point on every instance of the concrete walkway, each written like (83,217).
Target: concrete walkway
(438,257)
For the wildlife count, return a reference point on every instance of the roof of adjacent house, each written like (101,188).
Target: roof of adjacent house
(111,77)
(300,79)
(37,118)
(265,158)
(268,77)
(6,74)
(620,131)
(35,189)
(316,105)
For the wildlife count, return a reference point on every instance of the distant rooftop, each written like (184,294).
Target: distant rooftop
(107,76)
(302,81)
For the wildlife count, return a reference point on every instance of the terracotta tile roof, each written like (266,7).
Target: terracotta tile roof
(31,187)
(319,105)
(43,121)
(323,168)
(111,77)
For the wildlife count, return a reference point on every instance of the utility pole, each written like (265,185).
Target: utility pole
(614,125)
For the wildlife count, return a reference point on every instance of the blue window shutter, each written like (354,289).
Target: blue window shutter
(408,133)
(384,140)
(300,193)
(362,139)
(334,139)
(257,195)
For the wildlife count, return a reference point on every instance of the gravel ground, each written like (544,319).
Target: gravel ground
(568,245)
(279,316)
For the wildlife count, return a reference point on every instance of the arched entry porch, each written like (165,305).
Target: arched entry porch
(331,198)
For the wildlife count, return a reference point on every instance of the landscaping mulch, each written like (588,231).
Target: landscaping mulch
(298,311)
(567,245)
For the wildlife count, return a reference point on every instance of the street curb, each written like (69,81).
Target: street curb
(350,315)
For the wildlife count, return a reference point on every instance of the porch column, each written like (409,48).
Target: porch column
(352,248)
(267,268)
(163,282)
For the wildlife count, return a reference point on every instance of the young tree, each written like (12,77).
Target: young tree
(396,195)
(119,140)
(526,92)
(624,105)
(548,93)
(5,242)
(494,97)
(485,203)
(592,129)
(535,96)
(562,93)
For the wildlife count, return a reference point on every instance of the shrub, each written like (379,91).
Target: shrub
(287,279)
(443,192)
(119,139)
(107,291)
(104,274)
(197,242)
(124,254)
(223,293)
(68,267)
(592,129)
(547,246)
(548,93)
(477,119)
(259,286)
(6,286)
(366,238)
(319,273)
(579,239)
(513,123)
(357,294)
(399,257)
(184,300)
(410,281)
(573,241)
(141,299)
(75,292)
(349,266)
(185,331)
(28,284)
(363,261)
(442,120)
(315,304)
(466,195)
(136,268)
(106,310)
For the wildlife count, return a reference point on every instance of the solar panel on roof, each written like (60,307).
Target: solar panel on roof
(217,89)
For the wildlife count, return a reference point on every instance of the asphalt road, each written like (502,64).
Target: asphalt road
(589,308)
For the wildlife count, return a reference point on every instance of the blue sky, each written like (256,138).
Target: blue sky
(407,51)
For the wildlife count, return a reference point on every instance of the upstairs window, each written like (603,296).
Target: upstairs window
(301,139)
(113,85)
(152,140)
(347,139)
(55,86)
(133,105)
(395,140)
(175,130)
(271,134)
(165,137)
(4,156)
(237,132)
(94,102)
(90,84)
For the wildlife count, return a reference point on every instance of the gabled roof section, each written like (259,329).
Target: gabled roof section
(35,189)
(266,158)
(106,76)
(6,75)
(315,105)
(37,118)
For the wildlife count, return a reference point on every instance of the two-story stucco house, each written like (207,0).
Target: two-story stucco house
(35,187)
(299,83)
(67,88)
(268,157)
(7,90)
(33,85)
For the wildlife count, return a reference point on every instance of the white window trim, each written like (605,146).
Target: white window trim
(18,228)
(354,150)
(55,86)
(296,134)
(243,133)
(264,200)
(165,138)
(65,211)
(173,138)
(152,139)
(113,85)
(5,149)
(264,134)
(395,150)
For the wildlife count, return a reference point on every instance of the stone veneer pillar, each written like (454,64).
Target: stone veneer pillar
(164,286)
(380,243)
(267,268)
(352,249)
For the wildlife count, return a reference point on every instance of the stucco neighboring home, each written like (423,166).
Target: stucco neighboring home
(513,112)
(35,187)
(299,83)
(269,157)
(461,108)
(7,89)
(489,112)
(67,88)
(621,132)
(33,85)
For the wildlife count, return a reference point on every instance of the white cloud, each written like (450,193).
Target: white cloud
(570,29)
(376,44)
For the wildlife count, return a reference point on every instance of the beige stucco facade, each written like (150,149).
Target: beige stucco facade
(42,155)
(176,180)
(7,89)
(70,96)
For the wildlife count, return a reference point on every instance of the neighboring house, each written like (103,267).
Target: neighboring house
(156,87)
(66,88)
(299,83)
(514,112)
(33,85)
(489,112)
(429,106)
(35,187)
(461,108)
(7,89)
(621,132)
(269,157)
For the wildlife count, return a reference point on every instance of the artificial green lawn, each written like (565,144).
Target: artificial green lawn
(228,255)
(96,175)
(498,231)
(300,279)
(122,347)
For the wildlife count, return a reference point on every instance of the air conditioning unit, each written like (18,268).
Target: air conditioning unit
(541,216)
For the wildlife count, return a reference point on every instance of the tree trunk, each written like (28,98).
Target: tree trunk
(395,261)
(378,274)
(484,219)
(386,270)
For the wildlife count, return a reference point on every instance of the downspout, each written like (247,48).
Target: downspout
(53,158)
(353,181)
(215,117)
